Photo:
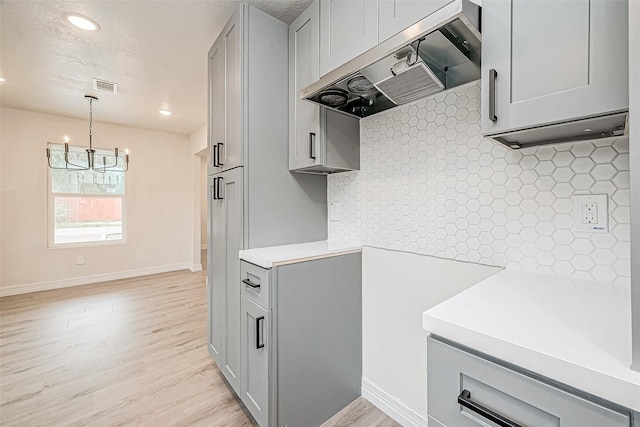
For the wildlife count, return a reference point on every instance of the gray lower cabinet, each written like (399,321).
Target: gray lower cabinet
(254,330)
(225,208)
(302,348)
(467,390)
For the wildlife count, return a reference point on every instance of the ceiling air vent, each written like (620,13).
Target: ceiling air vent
(105,86)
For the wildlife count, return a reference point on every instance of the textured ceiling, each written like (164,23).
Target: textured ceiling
(156,51)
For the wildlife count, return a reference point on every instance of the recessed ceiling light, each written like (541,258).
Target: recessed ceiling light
(587,130)
(83,22)
(2,79)
(166,112)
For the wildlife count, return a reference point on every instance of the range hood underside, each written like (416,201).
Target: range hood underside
(448,44)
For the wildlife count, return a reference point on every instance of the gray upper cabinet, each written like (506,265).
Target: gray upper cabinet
(546,62)
(304,117)
(347,29)
(320,141)
(225,101)
(396,15)
(217,121)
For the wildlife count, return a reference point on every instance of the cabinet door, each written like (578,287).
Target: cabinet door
(304,117)
(231,151)
(555,61)
(254,389)
(217,288)
(230,192)
(396,15)
(347,29)
(216,118)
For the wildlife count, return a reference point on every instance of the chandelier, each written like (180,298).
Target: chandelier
(97,163)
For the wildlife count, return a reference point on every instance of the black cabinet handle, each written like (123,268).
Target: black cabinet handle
(218,146)
(218,196)
(259,342)
(312,145)
(492,95)
(250,283)
(213,188)
(465,400)
(213,154)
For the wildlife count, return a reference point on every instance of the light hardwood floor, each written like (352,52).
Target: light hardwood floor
(127,352)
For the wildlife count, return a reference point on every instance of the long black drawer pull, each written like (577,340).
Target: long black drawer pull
(250,283)
(492,95)
(218,146)
(218,196)
(259,342)
(312,145)
(465,400)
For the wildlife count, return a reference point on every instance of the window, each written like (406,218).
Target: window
(85,206)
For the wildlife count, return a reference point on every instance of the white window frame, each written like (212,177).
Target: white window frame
(51,213)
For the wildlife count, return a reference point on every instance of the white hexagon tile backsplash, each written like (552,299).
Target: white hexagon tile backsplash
(431,184)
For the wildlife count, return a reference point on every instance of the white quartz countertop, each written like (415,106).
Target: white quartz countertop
(573,331)
(276,255)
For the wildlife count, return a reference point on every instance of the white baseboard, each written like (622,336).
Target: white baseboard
(195,268)
(86,280)
(392,407)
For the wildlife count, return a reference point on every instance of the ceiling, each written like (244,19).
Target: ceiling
(156,51)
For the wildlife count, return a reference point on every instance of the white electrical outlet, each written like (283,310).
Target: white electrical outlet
(334,211)
(591,213)
(80,260)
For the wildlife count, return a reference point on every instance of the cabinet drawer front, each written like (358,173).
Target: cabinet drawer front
(255,283)
(457,379)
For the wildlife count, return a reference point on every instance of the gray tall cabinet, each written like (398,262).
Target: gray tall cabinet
(254,201)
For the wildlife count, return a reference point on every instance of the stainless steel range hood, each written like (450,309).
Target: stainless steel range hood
(439,52)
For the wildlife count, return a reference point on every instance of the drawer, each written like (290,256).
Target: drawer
(457,379)
(255,283)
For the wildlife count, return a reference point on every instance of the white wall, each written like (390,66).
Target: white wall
(397,288)
(429,184)
(203,202)
(198,140)
(158,204)
(198,149)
